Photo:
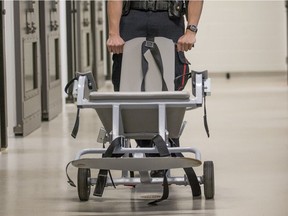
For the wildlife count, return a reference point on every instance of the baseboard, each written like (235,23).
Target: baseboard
(248,74)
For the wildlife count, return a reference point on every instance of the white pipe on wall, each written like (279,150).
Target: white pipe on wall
(10,66)
(63,41)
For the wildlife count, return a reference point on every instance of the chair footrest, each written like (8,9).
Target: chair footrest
(136,164)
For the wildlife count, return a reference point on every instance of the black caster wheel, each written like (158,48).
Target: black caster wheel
(83,184)
(208,179)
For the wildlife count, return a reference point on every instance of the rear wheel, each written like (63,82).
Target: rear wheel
(208,179)
(83,184)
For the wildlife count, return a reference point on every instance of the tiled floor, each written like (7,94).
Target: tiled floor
(248,119)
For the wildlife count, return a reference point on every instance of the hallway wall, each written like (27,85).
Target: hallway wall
(241,36)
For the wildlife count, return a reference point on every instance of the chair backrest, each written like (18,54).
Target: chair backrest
(132,73)
(141,122)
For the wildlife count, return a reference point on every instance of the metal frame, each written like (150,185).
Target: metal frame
(202,87)
(84,53)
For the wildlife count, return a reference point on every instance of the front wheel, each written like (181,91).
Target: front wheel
(208,179)
(83,184)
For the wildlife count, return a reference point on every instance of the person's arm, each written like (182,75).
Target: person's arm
(114,42)
(187,41)
(194,11)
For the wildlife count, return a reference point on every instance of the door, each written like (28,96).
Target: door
(27,66)
(50,59)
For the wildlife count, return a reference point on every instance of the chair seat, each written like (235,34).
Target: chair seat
(141,119)
(128,96)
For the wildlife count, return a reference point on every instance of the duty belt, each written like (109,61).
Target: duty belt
(150,5)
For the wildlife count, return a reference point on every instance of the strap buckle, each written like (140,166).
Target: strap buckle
(149,44)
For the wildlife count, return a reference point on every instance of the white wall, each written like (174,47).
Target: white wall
(63,39)
(241,36)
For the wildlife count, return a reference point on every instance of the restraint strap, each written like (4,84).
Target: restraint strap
(165,193)
(163,152)
(184,78)
(205,119)
(76,124)
(161,146)
(149,44)
(69,179)
(192,178)
(69,84)
(190,173)
(102,175)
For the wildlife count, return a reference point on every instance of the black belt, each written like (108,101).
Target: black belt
(150,5)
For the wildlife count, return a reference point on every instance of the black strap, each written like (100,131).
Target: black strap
(102,175)
(205,119)
(192,178)
(131,172)
(69,84)
(69,179)
(149,44)
(190,173)
(185,76)
(165,193)
(101,183)
(76,125)
(161,146)
(163,152)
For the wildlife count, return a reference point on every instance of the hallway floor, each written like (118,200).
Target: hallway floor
(248,120)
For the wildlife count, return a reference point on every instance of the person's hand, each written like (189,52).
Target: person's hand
(115,44)
(186,41)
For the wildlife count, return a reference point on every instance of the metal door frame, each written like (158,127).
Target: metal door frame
(108,54)
(50,39)
(83,36)
(3,92)
(71,39)
(98,42)
(286,5)
(28,101)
